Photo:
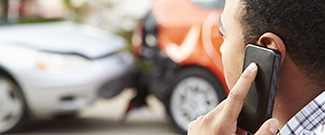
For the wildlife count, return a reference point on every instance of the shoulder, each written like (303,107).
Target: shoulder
(309,120)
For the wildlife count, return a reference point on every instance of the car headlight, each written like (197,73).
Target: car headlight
(61,62)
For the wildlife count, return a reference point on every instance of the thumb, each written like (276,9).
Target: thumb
(269,127)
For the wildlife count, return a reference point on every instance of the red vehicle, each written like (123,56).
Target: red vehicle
(181,38)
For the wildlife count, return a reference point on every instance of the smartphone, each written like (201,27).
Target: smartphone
(258,105)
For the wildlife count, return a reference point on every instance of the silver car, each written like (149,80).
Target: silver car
(56,69)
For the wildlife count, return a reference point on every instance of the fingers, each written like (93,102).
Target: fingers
(223,119)
(236,97)
(199,126)
(269,127)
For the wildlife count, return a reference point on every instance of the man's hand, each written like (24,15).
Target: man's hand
(223,119)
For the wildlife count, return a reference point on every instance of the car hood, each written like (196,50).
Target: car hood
(63,37)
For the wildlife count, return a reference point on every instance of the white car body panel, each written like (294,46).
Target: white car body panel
(63,37)
(44,91)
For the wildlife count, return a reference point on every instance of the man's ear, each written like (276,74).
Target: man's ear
(273,41)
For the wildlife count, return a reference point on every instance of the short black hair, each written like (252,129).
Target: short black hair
(299,23)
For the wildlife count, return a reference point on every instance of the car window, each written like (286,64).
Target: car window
(218,4)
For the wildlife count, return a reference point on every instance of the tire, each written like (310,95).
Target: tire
(195,92)
(13,113)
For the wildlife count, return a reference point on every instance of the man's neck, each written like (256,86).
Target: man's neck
(294,91)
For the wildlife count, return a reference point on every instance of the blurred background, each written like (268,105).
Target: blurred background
(112,15)
(104,116)
(108,66)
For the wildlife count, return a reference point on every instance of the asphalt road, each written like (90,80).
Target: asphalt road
(105,117)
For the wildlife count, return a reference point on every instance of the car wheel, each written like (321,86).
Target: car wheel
(195,92)
(12,107)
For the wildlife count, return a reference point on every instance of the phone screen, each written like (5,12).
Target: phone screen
(258,105)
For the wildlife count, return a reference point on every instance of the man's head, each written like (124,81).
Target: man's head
(298,25)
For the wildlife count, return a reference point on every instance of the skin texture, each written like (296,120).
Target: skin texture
(292,85)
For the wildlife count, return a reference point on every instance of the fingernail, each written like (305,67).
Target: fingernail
(251,66)
(273,126)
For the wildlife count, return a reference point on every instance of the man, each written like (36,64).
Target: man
(296,28)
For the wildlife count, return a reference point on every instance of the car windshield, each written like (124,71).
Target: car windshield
(218,4)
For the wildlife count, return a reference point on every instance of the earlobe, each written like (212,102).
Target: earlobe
(273,41)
